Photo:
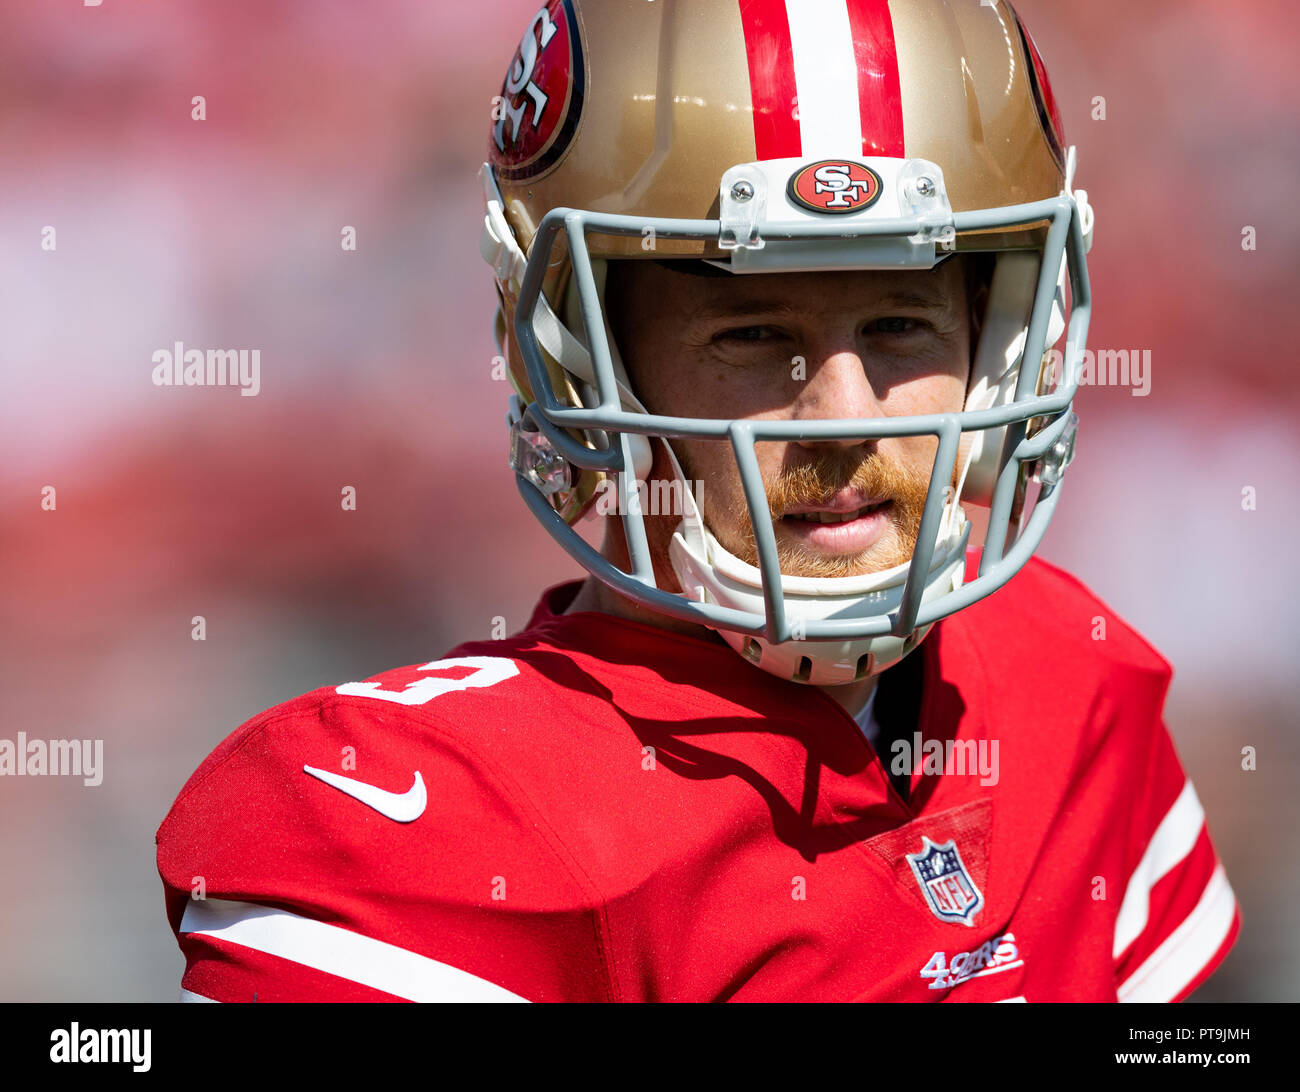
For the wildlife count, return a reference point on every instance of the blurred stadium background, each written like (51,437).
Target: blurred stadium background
(376,373)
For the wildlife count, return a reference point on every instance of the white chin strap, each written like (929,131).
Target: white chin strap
(711,574)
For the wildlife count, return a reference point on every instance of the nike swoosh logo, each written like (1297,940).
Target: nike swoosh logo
(404,807)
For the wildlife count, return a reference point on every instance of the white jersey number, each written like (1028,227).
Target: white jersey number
(489,670)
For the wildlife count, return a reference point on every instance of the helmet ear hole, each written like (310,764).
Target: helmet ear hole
(979,279)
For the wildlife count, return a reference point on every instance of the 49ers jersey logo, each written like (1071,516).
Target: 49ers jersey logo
(536,114)
(835,186)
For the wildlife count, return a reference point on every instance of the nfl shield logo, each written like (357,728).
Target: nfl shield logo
(945,883)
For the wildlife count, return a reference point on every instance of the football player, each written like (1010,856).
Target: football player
(792,297)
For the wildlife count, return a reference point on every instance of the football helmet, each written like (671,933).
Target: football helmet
(766,136)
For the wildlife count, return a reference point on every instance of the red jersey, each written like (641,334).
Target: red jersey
(596,809)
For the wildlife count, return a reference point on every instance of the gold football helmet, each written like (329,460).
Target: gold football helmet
(768,136)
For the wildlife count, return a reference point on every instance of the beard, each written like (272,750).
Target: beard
(813,483)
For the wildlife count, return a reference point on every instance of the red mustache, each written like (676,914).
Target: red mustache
(814,483)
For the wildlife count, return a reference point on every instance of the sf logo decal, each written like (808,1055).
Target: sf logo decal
(520,79)
(536,114)
(833,186)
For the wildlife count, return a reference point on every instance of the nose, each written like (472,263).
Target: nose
(837,386)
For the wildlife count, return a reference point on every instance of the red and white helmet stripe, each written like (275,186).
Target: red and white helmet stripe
(823,78)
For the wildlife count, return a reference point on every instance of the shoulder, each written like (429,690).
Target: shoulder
(1045,610)
(367,771)
(377,834)
(1046,650)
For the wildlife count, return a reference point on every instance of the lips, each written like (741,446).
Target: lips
(830,516)
(833,533)
(845,504)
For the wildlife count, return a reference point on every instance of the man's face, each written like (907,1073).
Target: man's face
(801,347)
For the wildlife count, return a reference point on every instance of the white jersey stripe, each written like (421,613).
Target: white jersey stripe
(826,77)
(338,951)
(1173,840)
(1187,949)
(192,997)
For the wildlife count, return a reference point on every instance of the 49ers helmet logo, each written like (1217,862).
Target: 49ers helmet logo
(835,186)
(536,114)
